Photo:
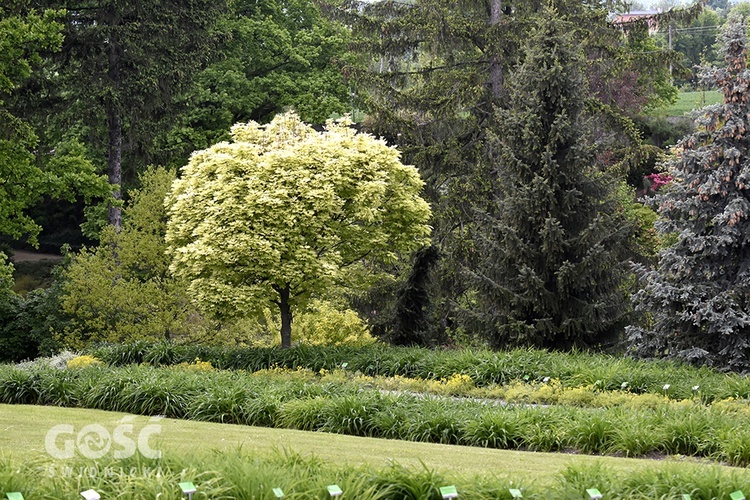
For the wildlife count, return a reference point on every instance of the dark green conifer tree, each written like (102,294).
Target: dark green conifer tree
(122,65)
(430,74)
(697,301)
(551,251)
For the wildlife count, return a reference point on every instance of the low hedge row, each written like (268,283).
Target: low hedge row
(686,428)
(484,367)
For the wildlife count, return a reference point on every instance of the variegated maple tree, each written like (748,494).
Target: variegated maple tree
(282,211)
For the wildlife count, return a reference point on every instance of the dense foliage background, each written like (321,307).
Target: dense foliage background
(534,127)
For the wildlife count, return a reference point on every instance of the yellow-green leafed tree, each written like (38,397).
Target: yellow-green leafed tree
(283,211)
(122,290)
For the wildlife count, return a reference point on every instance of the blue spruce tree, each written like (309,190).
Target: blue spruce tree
(696,303)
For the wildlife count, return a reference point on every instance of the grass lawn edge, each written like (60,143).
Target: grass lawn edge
(23,429)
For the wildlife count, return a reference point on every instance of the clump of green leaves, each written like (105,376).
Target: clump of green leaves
(121,290)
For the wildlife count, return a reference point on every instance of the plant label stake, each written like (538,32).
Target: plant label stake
(14,495)
(685,496)
(188,489)
(278,493)
(594,494)
(344,365)
(334,490)
(90,495)
(449,492)
(737,495)
(515,493)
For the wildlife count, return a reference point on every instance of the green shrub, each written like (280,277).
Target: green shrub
(129,296)
(324,324)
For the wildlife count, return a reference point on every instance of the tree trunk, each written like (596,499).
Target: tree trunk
(114,169)
(286,317)
(496,68)
(114,124)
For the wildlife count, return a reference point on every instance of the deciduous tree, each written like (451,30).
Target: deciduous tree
(281,212)
(276,54)
(24,36)
(122,290)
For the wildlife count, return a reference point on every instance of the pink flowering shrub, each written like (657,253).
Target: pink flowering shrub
(658,180)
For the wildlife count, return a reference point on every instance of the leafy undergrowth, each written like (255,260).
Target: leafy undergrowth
(486,368)
(240,475)
(604,422)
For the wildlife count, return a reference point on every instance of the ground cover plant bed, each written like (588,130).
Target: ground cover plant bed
(485,368)
(227,461)
(346,403)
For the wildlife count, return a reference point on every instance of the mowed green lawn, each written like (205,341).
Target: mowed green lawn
(23,430)
(688,101)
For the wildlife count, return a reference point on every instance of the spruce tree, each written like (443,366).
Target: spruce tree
(696,302)
(430,74)
(122,66)
(550,266)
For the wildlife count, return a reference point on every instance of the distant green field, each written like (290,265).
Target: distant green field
(688,101)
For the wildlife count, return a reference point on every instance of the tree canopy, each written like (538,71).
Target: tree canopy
(276,54)
(121,290)
(24,37)
(432,73)
(282,211)
(122,66)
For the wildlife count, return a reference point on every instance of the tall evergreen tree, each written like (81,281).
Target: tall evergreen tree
(431,73)
(122,64)
(550,254)
(697,301)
